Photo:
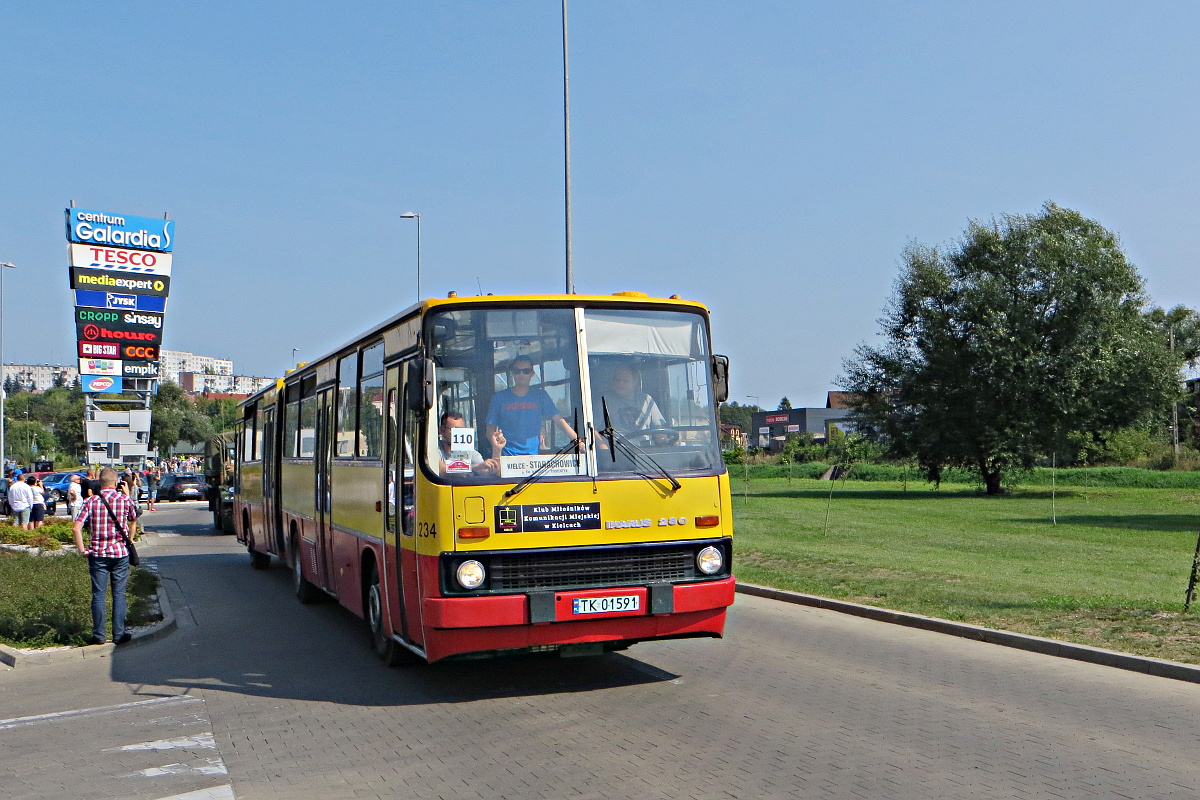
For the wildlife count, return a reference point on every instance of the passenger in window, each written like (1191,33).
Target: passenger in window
(452,460)
(514,420)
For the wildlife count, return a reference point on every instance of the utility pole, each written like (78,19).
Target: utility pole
(1174,406)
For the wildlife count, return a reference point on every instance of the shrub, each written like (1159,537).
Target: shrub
(46,602)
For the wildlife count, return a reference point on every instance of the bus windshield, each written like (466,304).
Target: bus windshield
(515,388)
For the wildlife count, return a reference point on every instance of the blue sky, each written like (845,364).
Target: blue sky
(769,159)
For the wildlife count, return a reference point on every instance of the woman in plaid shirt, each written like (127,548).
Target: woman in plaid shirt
(108,557)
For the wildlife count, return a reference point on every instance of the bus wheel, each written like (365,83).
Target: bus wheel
(382,642)
(305,592)
(257,560)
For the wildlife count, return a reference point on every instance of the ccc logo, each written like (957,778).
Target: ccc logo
(132,351)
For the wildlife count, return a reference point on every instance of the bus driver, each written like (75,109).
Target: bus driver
(514,419)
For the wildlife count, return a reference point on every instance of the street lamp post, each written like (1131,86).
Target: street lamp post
(417,217)
(4,265)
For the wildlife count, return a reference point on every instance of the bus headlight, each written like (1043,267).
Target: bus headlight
(470,574)
(710,561)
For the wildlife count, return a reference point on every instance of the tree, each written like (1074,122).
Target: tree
(997,349)
(739,415)
(174,418)
(785,405)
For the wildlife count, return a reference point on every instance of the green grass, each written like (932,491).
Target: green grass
(46,601)
(1111,573)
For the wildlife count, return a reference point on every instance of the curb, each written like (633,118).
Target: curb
(1050,647)
(21,659)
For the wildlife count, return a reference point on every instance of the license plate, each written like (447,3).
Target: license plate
(605,605)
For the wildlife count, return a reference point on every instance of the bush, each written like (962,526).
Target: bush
(45,602)
(58,532)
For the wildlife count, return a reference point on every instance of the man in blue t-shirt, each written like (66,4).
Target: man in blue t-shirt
(514,419)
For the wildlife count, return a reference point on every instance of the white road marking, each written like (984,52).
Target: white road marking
(202,742)
(16,722)
(215,793)
(211,766)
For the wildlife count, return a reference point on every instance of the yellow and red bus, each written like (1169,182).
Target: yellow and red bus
(481,475)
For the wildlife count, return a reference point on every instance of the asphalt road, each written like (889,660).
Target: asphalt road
(256,696)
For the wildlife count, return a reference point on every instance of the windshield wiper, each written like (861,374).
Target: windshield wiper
(640,458)
(552,462)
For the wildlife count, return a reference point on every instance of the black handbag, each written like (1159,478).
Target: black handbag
(134,559)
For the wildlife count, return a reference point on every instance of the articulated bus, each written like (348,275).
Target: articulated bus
(483,475)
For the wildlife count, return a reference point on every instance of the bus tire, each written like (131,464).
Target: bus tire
(304,590)
(389,652)
(257,560)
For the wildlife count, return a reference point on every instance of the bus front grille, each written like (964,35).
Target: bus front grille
(563,570)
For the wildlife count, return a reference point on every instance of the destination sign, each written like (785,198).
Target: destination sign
(122,302)
(119,230)
(99,366)
(120,282)
(145,262)
(548,517)
(100,384)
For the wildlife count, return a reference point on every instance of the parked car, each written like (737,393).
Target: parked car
(56,484)
(51,500)
(182,486)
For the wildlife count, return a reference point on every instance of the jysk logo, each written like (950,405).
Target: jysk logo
(120,300)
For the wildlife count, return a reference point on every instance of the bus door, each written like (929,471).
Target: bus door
(270,524)
(404,415)
(393,488)
(326,437)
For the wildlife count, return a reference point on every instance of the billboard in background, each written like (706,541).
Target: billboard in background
(99,366)
(116,281)
(140,369)
(99,350)
(146,262)
(120,302)
(119,230)
(136,352)
(100,384)
(100,332)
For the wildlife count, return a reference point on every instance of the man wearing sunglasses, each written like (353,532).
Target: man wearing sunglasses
(514,419)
